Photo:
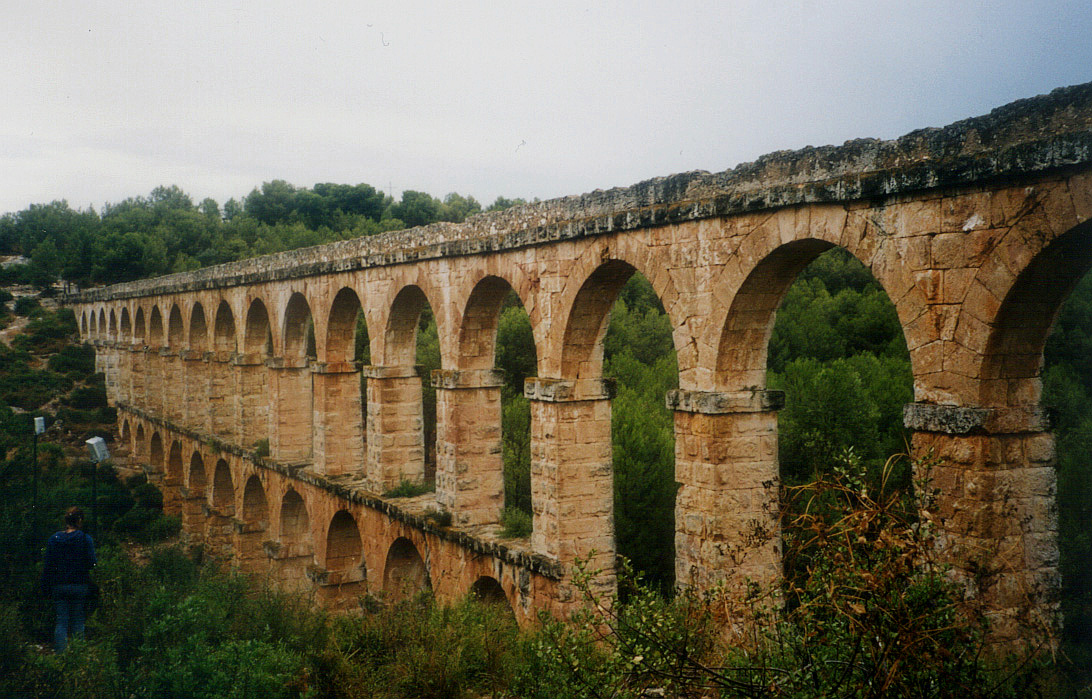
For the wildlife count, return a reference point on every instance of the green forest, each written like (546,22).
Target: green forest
(174,624)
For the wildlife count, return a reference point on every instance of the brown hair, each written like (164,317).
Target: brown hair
(73,517)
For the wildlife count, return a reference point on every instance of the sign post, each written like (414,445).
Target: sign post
(99,453)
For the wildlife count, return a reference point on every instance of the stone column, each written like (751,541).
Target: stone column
(220,415)
(469,455)
(250,400)
(219,533)
(169,393)
(396,441)
(572,483)
(989,490)
(338,419)
(193,507)
(291,410)
(727,508)
(138,362)
(195,385)
(174,495)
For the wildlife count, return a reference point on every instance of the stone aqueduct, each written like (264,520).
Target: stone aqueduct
(977,232)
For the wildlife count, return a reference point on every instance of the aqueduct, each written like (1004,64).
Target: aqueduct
(977,232)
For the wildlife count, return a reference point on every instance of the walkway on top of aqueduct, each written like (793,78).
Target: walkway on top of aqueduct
(977,231)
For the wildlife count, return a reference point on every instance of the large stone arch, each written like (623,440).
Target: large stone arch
(478,327)
(404,573)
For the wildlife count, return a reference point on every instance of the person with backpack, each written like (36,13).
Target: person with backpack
(69,556)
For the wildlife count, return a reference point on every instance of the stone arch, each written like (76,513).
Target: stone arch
(489,590)
(155,328)
(258,338)
(341,327)
(1013,355)
(174,462)
(199,336)
(745,337)
(102,324)
(255,505)
(404,573)
(295,522)
(126,435)
(155,453)
(139,325)
(400,336)
(224,329)
(196,481)
(126,326)
(112,332)
(84,327)
(140,446)
(478,332)
(589,315)
(298,323)
(223,490)
(176,329)
(344,551)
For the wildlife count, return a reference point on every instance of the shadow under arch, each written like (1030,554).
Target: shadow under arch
(139,329)
(488,590)
(404,573)
(224,339)
(126,326)
(199,336)
(155,453)
(156,338)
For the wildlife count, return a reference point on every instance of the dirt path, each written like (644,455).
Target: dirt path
(16,327)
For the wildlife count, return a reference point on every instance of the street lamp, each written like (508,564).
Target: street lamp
(99,453)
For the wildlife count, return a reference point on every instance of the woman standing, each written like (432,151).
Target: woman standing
(68,558)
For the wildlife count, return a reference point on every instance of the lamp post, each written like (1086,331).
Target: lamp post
(39,428)
(99,453)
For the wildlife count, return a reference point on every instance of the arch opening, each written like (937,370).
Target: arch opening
(196,481)
(404,574)
(126,326)
(412,338)
(155,328)
(259,333)
(295,522)
(176,330)
(155,453)
(344,551)
(198,329)
(488,590)
(255,505)
(174,462)
(223,491)
(224,329)
(138,325)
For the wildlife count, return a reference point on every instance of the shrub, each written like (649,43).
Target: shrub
(409,489)
(25,304)
(515,524)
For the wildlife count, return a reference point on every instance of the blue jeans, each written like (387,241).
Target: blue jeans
(69,600)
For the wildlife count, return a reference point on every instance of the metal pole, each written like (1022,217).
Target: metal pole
(94,495)
(34,468)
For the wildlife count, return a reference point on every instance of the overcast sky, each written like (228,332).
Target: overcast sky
(100,101)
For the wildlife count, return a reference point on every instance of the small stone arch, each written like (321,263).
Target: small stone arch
(405,573)
(155,453)
(255,505)
(155,328)
(223,490)
(126,326)
(139,325)
(196,480)
(102,324)
(258,338)
(198,329)
(344,551)
(126,435)
(84,327)
(140,446)
(174,462)
(112,333)
(224,329)
(489,590)
(295,522)
(176,329)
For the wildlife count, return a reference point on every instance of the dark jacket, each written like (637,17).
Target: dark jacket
(68,558)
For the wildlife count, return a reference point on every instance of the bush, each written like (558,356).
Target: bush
(24,305)
(409,489)
(515,524)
